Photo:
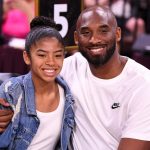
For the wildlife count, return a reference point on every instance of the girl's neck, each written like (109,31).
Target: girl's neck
(47,97)
(42,87)
(45,88)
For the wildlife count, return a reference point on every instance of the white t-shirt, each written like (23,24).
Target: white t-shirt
(108,110)
(49,129)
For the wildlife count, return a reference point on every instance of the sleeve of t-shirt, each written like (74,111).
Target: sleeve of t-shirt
(138,122)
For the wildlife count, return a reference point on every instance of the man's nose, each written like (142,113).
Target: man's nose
(95,38)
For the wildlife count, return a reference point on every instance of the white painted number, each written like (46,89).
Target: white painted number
(59,8)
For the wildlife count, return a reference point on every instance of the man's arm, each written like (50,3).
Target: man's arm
(5,116)
(136,131)
(133,144)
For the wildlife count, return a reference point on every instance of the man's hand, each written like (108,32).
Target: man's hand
(5,116)
(133,144)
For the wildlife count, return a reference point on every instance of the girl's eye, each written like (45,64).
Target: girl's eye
(41,55)
(58,55)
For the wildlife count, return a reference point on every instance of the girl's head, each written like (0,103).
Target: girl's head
(41,27)
(44,49)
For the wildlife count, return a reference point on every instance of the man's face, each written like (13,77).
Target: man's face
(96,37)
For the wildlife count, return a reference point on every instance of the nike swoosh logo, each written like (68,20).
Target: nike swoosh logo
(115,105)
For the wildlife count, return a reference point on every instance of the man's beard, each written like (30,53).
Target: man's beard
(99,60)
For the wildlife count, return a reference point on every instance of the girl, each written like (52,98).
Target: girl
(41,100)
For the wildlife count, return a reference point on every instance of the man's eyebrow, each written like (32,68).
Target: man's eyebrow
(104,26)
(101,26)
(83,28)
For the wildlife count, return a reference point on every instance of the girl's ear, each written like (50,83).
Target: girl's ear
(26,58)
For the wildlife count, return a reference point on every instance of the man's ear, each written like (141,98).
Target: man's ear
(76,38)
(118,34)
(26,58)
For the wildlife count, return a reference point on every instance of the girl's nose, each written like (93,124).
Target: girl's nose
(50,61)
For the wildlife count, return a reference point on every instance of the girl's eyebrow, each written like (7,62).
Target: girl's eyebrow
(44,51)
(60,50)
(41,50)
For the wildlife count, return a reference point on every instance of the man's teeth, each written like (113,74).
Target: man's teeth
(96,50)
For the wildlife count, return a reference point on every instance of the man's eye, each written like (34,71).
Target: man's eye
(104,31)
(85,33)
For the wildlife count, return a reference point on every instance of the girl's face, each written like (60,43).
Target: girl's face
(46,59)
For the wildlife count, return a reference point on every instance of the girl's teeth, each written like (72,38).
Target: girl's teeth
(49,71)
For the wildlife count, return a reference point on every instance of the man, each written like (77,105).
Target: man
(111,92)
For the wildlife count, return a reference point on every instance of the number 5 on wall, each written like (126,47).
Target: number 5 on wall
(59,8)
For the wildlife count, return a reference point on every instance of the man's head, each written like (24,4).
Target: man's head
(97,35)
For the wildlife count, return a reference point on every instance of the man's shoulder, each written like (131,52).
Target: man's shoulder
(138,70)
(75,60)
(75,56)
(73,64)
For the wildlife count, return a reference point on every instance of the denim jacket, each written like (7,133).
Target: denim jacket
(19,92)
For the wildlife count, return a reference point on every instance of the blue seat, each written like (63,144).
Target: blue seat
(4,76)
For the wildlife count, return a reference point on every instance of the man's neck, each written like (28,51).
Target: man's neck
(109,70)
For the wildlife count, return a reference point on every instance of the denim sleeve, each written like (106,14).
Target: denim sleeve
(5,137)
(4,94)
